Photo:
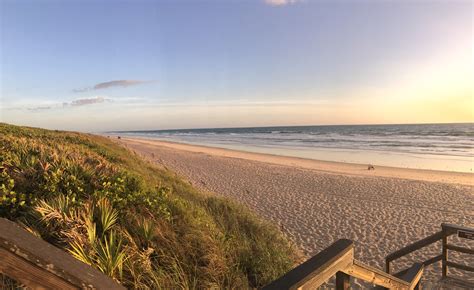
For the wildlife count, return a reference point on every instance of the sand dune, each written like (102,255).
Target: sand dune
(316,203)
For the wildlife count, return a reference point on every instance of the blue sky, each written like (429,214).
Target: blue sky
(119,65)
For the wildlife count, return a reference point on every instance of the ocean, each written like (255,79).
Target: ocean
(448,147)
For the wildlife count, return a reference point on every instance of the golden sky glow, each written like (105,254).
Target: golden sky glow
(245,63)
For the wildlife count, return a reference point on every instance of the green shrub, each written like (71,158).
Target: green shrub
(135,222)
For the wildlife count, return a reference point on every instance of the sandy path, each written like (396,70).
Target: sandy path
(315,208)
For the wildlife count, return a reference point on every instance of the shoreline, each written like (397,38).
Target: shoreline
(331,167)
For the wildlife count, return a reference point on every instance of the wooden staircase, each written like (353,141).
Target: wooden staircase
(338,260)
(39,265)
(446,231)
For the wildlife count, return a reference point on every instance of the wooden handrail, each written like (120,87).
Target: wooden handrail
(460,249)
(452,228)
(338,259)
(415,246)
(411,275)
(460,266)
(39,265)
(446,231)
(433,260)
(375,276)
(317,269)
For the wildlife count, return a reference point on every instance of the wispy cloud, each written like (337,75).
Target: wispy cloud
(110,84)
(86,101)
(48,105)
(281,2)
(39,108)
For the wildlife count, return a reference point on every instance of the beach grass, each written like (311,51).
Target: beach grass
(136,222)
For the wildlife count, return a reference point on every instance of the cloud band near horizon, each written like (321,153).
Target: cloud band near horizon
(280,2)
(74,103)
(110,84)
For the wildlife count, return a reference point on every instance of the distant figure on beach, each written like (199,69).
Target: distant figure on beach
(118,137)
(370,167)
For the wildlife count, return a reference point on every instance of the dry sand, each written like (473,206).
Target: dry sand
(316,202)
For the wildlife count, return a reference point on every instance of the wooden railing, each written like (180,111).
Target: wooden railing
(39,265)
(338,259)
(446,231)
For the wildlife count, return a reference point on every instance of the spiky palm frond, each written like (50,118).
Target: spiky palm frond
(87,218)
(111,255)
(91,232)
(78,251)
(145,228)
(107,215)
(56,210)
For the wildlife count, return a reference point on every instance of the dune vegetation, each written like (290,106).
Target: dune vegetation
(132,220)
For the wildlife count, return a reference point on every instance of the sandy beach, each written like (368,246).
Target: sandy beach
(318,202)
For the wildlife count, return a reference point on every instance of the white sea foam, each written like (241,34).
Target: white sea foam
(428,146)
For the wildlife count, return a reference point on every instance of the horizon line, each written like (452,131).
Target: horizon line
(279,126)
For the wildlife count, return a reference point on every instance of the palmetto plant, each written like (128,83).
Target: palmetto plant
(145,230)
(106,215)
(58,209)
(110,255)
(135,222)
(87,215)
(75,226)
(57,216)
(80,252)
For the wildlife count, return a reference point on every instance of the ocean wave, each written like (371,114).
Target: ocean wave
(441,139)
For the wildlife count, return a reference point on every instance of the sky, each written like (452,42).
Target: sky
(123,65)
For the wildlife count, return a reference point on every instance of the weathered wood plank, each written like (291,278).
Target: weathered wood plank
(460,249)
(413,275)
(433,260)
(43,256)
(375,276)
(444,259)
(453,229)
(460,266)
(34,277)
(446,231)
(338,265)
(415,246)
(425,263)
(319,267)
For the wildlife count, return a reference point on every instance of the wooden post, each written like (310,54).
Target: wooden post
(417,286)
(444,270)
(343,281)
